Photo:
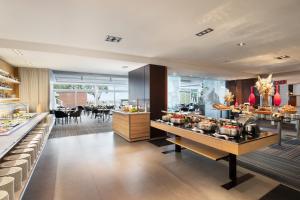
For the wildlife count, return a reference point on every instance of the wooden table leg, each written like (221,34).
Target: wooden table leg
(177,147)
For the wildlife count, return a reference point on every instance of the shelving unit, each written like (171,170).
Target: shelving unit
(5,88)
(9,93)
(9,99)
(3,72)
(10,80)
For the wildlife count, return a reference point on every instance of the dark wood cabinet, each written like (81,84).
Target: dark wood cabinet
(148,86)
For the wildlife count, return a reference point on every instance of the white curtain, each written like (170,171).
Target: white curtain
(34,88)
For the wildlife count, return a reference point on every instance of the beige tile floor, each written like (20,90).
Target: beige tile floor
(106,167)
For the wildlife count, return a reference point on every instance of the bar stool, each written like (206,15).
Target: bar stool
(4,195)
(25,146)
(31,142)
(7,184)
(43,125)
(16,173)
(41,129)
(35,132)
(33,139)
(27,150)
(24,156)
(17,163)
(34,136)
(30,138)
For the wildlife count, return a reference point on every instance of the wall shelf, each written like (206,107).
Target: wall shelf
(9,99)
(3,72)
(5,88)
(10,80)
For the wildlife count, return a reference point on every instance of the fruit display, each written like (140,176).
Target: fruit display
(177,119)
(229,130)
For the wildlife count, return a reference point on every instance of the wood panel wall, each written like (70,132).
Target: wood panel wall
(148,85)
(241,89)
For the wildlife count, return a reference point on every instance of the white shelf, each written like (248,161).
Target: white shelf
(3,72)
(9,99)
(5,88)
(4,78)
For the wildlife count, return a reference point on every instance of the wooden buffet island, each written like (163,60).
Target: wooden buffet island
(131,126)
(217,148)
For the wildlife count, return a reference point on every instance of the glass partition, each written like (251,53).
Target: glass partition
(195,94)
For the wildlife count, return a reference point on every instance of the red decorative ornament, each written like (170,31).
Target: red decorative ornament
(236,105)
(252,97)
(277,98)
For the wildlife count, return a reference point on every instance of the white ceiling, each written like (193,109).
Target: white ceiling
(69,35)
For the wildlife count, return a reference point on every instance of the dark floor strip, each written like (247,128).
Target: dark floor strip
(282,192)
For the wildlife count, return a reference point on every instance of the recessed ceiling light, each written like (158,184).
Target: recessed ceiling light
(282,57)
(241,44)
(208,30)
(111,38)
(125,67)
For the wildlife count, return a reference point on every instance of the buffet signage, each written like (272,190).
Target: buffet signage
(280,82)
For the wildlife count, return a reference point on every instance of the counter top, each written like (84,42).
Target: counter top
(130,113)
(7,142)
(235,146)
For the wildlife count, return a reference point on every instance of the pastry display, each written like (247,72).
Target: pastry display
(220,106)
(264,111)
(288,109)
(6,125)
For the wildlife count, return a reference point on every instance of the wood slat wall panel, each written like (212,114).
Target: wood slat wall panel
(132,127)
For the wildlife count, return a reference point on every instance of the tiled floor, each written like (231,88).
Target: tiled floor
(105,166)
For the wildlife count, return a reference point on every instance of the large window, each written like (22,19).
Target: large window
(71,95)
(72,89)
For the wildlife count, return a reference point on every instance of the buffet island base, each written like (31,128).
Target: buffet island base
(217,148)
(131,126)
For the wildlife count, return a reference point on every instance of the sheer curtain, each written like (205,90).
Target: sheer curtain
(34,88)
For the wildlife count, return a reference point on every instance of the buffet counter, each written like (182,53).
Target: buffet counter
(7,142)
(131,126)
(216,148)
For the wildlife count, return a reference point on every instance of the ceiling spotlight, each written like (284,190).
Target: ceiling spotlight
(241,44)
(125,67)
(208,30)
(282,57)
(111,38)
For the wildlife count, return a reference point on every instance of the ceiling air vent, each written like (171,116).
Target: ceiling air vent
(111,38)
(208,30)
